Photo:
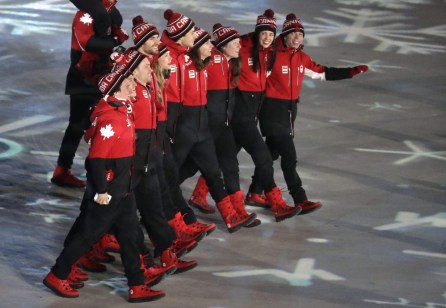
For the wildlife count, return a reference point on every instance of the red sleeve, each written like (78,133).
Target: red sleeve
(82,29)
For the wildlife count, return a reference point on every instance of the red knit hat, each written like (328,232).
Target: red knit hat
(266,22)
(177,24)
(202,37)
(110,82)
(223,35)
(292,24)
(127,62)
(142,31)
(162,49)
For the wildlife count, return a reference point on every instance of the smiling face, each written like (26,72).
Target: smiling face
(143,73)
(266,38)
(150,47)
(294,40)
(127,89)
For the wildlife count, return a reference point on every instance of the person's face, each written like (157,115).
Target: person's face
(164,60)
(232,49)
(150,47)
(266,38)
(205,50)
(294,40)
(143,73)
(188,39)
(128,88)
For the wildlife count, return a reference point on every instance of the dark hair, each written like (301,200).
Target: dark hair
(236,66)
(255,53)
(199,63)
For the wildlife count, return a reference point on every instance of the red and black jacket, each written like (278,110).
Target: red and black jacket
(251,85)
(175,88)
(283,87)
(145,125)
(89,56)
(111,137)
(193,114)
(221,91)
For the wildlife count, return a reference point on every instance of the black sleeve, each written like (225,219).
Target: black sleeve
(98,12)
(116,17)
(98,44)
(96,166)
(334,73)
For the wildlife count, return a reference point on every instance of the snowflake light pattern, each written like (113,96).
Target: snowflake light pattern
(380,26)
(29,18)
(388,4)
(199,6)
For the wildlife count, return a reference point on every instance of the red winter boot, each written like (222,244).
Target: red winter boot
(154,274)
(239,206)
(100,255)
(63,177)
(59,286)
(74,282)
(182,247)
(198,198)
(142,293)
(309,206)
(88,263)
(232,219)
(109,243)
(257,200)
(168,258)
(183,232)
(78,274)
(201,227)
(280,208)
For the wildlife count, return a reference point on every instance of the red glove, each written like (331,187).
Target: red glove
(119,34)
(357,70)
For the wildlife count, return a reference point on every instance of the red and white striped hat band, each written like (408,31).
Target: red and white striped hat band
(202,37)
(177,24)
(223,35)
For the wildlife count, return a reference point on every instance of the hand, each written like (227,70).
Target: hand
(119,34)
(102,199)
(357,70)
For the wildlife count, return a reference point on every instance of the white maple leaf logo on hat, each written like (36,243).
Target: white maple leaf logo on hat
(107,131)
(86,19)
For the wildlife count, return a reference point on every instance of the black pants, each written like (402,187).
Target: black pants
(226,150)
(199,146)
(79,111)
(284,145)
(247,136)
(149,200)
(93,221)
(173,199)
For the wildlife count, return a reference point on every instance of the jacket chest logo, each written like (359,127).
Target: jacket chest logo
(191,74)
(250,62)
(301,69)
(145,93)
(285,69)
(173,68)
(217,59)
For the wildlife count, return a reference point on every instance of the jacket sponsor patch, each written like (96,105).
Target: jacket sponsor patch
(173,68)
(250,62)
(284,69)
(191,74)
(217,59)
